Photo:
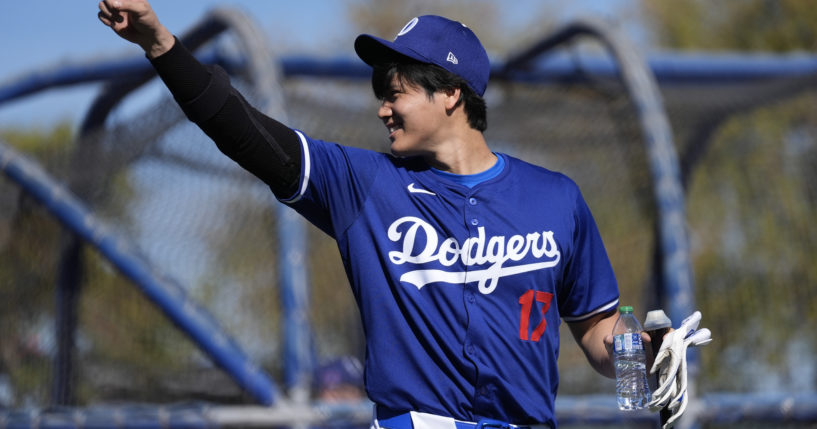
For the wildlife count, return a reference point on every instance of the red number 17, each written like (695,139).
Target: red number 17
(524,318)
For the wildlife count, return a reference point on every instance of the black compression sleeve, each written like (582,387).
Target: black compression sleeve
(263,146)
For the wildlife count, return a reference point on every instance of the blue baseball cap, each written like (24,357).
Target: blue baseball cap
(436,40)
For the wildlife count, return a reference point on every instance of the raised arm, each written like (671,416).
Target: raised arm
(263,146)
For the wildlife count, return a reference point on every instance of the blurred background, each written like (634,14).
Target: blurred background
(736,80)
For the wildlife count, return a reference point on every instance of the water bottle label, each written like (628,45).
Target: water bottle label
(624,343)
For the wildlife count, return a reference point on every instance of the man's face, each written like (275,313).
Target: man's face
(414,120)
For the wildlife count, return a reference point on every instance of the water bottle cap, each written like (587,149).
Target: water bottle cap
(625,309)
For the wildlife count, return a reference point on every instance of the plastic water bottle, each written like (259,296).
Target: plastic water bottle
(632,390)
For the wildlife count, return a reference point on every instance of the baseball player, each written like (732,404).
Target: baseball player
(463,261)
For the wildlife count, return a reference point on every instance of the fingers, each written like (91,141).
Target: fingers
(701,337)
(138,7)
(105,14)
(667,377)
(682,378)
(113,5)
(104,19)
(660,360)
(136,22)
(677,411)
(104,9)
(663,393)
(112,10)
(659,402)
(691,322)
(647,341)
(108,15)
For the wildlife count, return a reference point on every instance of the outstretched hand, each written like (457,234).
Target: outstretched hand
(136,22)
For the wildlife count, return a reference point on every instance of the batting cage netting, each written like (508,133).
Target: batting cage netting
(171,302)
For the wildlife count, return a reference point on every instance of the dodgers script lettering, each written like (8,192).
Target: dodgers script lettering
(491,253)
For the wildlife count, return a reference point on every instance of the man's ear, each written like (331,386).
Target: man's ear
(453,97)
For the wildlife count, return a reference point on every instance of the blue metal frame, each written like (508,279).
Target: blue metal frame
(668,69)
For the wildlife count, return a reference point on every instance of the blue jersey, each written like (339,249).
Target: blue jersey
(461,290)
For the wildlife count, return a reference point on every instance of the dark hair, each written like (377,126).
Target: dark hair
(431,78)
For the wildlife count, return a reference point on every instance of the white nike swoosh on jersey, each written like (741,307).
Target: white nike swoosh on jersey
(414,190)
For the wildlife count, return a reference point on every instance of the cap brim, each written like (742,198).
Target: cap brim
(374,50)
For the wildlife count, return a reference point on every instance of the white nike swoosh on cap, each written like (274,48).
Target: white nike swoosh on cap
(414,190)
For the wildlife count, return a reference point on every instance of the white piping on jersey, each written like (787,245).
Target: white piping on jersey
(601,309)
(306,164)
(478,250)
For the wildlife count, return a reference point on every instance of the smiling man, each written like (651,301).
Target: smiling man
(463,261)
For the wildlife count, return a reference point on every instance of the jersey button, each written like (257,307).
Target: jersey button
(471,298)
(472,201)
(469,349)
(474,221)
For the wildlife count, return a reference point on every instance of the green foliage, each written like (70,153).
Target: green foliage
(754,239)
(25,261)
(116,322)
(39,141)
(27,255)
(122,333)
(747,25)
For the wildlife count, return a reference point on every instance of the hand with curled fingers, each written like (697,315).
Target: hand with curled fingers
(671,366)
(136,22)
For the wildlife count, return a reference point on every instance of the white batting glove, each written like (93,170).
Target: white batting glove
(671,366)
(668,360)
(678,403)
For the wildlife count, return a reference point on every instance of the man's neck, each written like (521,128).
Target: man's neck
(468,154)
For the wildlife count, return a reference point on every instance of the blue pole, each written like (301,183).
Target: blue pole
(295,302)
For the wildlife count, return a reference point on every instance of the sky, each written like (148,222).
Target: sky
(67,31)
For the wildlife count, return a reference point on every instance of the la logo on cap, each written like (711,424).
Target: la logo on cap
(409,25)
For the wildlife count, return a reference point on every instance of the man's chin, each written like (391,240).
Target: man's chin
(401,152)
(404,152)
